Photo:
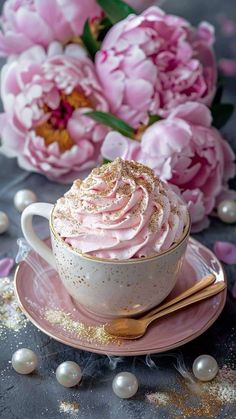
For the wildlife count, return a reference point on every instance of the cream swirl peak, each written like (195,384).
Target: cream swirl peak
(120,211)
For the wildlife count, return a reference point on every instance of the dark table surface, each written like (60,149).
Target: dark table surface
(163,392)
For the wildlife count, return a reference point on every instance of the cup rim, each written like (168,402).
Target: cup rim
(117,261)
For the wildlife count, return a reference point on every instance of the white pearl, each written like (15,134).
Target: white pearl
(227,211)
(205,368)
(4,222)
(125,385)
(24,361)
(23,198)
(68,374)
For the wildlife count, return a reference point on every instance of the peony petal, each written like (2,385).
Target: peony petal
(206,32)
(116,145)
(225,251)
(138,94)
(6,265)
(228,67)
(34,27)
(52,13)
(165,136)
(76,12)
(193,112)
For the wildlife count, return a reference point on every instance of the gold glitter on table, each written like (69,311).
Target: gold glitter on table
(11,317)
(92,334)
(198,399)
(71,408)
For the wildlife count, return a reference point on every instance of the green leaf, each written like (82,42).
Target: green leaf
(153,119)
(221,113)
(105,25)
(89,41)
(111,121)
(105,161)
(116,10)
(221,79)
(218,95)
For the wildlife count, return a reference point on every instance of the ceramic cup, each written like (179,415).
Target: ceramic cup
(108,288)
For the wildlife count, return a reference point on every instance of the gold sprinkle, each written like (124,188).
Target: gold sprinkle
(69,407)
(197,399)
(92,334)
(153,223)
(175,210)
(159,398)
(8,295)
(11,316)
(124,190)
(146,185)
(77,183)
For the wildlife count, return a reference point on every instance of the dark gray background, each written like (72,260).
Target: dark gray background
(39,395)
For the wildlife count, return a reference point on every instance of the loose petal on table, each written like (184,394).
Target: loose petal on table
(227,25)
(227,67)
(6,265)
(225,251)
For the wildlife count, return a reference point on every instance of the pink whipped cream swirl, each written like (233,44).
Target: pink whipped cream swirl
(120,211)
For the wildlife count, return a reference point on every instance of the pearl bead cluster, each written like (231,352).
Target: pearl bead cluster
(227,211)
(205,368)
(4,222)
(24,361)
(68,374)
(124,385)
(22,199)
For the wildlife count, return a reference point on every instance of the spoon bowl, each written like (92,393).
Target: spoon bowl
(128,328)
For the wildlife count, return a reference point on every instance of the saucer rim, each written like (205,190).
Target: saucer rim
(97,350)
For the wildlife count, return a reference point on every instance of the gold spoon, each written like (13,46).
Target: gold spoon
(198,286)
(128,328)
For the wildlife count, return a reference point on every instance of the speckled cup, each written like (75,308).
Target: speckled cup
(109,288)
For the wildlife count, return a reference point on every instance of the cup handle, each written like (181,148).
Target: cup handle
(43,210)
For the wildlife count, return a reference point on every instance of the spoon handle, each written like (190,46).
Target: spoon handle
(198,286)
(201,295)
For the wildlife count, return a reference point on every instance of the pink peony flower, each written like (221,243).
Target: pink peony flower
(45,98)
(186,151)
(149,64)
(29,22)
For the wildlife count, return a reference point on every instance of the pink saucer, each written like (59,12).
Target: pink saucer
(44,300)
